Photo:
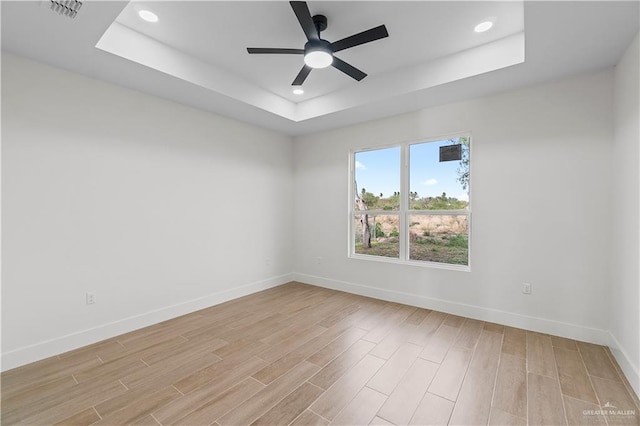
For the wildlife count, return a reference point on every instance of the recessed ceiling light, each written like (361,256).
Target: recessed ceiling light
(298,91)
(483,26)
(148,15)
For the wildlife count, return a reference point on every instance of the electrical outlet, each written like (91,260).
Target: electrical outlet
(91,298)
(526,288)
(267,262)
(318,260)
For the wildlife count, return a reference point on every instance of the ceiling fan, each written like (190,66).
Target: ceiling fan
(319,53)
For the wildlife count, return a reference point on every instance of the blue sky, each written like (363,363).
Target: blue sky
(379,171)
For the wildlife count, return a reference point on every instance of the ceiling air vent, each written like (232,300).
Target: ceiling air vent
(68,8)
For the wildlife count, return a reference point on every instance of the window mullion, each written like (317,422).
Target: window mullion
(404,203)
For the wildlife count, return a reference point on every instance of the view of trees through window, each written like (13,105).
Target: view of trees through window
(432,222)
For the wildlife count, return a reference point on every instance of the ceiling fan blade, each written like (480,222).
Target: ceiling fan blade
(276,51)
(302,76)
(360,38)
(301,10)
(350,70)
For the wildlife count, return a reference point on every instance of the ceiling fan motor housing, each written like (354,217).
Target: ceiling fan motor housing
(321,44)
(320,21)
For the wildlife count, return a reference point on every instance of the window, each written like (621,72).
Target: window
(410,203)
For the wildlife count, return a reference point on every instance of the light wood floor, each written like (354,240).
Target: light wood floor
(303,355)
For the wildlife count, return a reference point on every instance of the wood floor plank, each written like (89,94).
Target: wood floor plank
(226,376)
(43,372)
(339,315)
(362,409)
(187,348)
(417,316)
(432,410)
(254,332)
(493,327)
(147,420)
(140,407)
(214,408)
(619,407)
(379,421)
(288,328)
(31,395)
(343,390)
(309,418)
(216,325)
(454,321)
(101,349)
(510,394)
(450,375)
(474,400)
(145,348)
(515,342)
(379,316)
(564,343)
(171,370)
(112,370)
(261,402)
(313,298)
(469,334)
(624,379)
(540,358)
(574,380)
(248,320)
(440,343)
(287,345)
(241,349)
(167,330)
(274,370)
(427,328)
(343,363)
(597,361)
(501,418)
(333,349)
(392,341)
(66,404)
(289,408)
(394,369)
(581,413)
(396,318)
(544,401)
(406,397)
(85,417)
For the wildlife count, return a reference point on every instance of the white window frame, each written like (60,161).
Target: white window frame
(404,212)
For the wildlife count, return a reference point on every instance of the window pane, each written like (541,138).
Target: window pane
(435,184)
(377,179)
(380,238)
(439,238)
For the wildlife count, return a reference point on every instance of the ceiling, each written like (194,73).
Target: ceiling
(196,53)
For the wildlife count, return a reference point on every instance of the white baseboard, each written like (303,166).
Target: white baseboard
(58,345)
(572,331)
(631,371)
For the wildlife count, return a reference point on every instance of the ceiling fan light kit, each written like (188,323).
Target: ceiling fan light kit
(319,53)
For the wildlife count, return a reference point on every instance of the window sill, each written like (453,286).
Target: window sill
(418,263)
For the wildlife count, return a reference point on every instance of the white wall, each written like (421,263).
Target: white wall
(158,208)
(541,175)
(625,253)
